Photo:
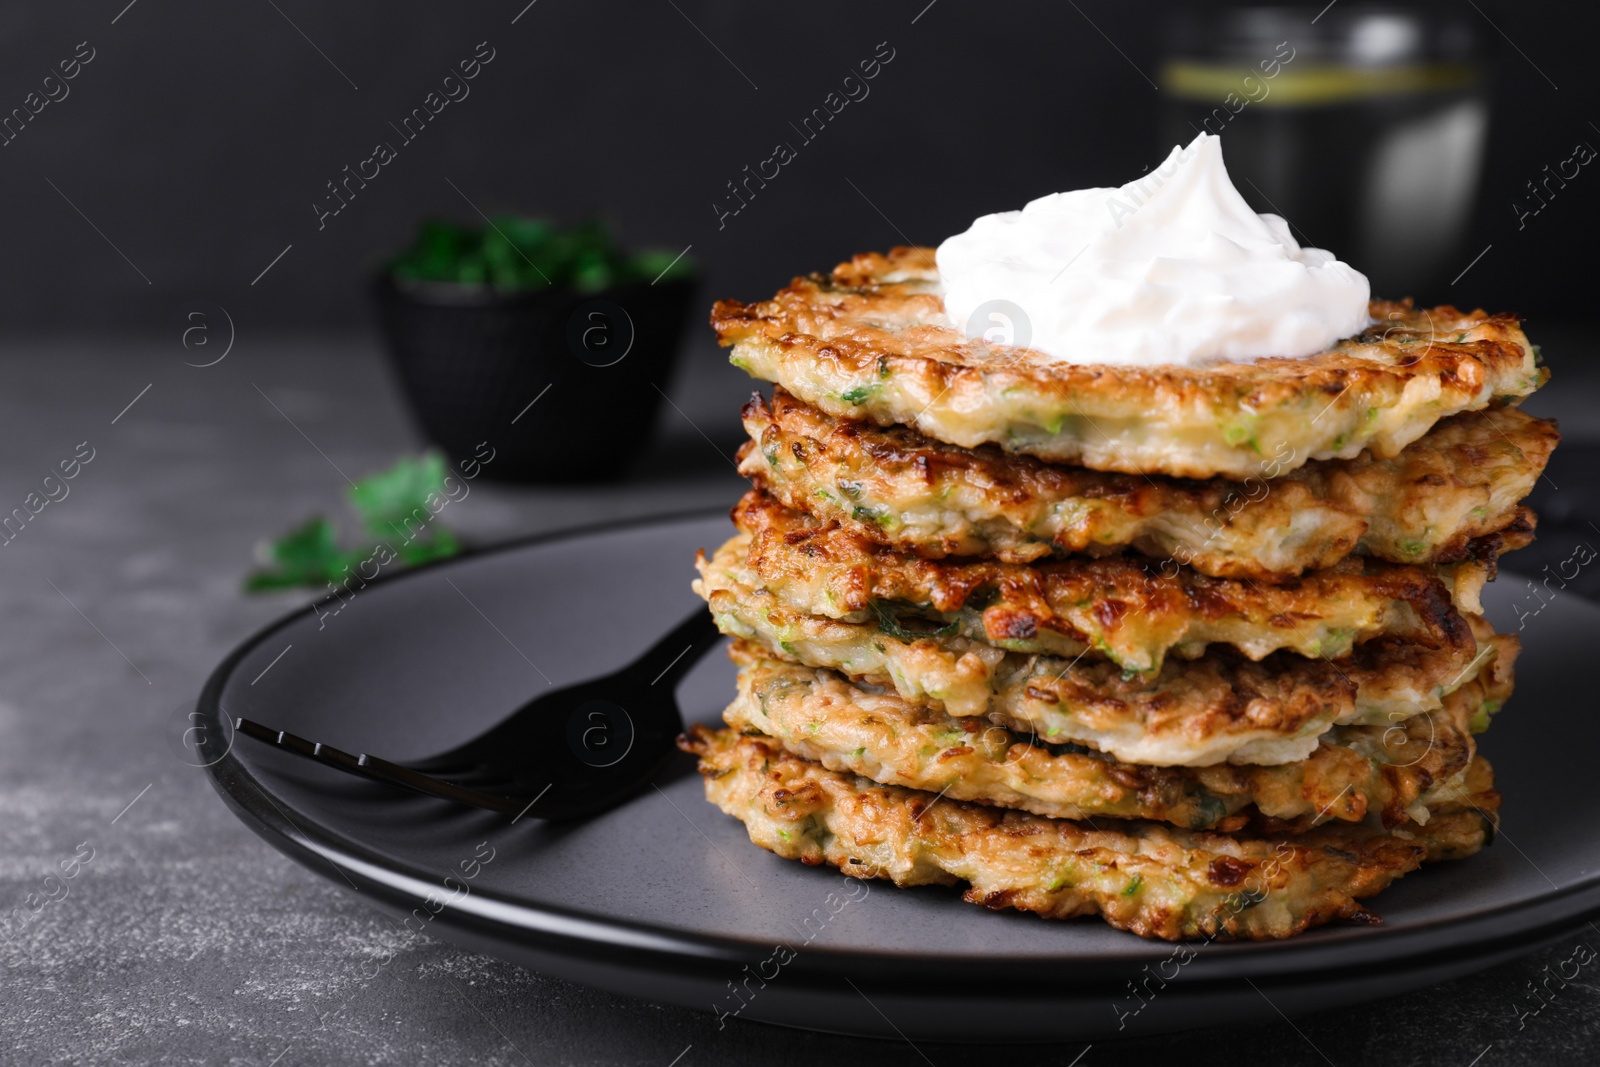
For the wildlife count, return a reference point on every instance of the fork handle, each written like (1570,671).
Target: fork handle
(376,769)
(670,658)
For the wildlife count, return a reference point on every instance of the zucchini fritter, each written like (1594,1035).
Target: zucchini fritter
(1452,495)
(1392,771)
(1116,609)
(872,341)
(1144,877)
(1218,707)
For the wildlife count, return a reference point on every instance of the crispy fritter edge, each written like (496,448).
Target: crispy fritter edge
(1148,879)
(871,340)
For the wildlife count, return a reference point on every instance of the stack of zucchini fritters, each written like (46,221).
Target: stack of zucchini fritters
(1198,650)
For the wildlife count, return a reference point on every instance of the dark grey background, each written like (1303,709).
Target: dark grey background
(200,135)
(197,140)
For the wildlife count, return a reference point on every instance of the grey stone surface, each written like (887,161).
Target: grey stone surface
(185,939)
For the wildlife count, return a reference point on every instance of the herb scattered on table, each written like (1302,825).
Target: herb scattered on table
(393,506)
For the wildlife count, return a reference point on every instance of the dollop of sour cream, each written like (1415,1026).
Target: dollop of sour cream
(1172,268)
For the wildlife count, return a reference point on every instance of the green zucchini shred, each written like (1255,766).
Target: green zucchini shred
(889,623)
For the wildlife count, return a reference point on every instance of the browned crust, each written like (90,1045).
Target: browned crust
(1114,608)
(1448,497)
(1377,770)
(1152,880)
(879,318)
(1217,707)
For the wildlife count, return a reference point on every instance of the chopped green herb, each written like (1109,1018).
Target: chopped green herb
(395,504)
(309,554)
(1208,810)
(891,623)
(1413,549)
(1481,717)
(877,515)
(398,508)
(516,253)
(1242,431)
(1250,898)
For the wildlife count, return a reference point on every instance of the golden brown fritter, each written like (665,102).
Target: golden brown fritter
(1143,877)
(1220,707)
(1452,495)
(1393,772)
(1118,609)
(872,341)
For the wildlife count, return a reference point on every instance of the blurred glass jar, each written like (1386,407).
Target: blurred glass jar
(1364,129)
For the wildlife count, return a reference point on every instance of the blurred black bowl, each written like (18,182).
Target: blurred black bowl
(562,385)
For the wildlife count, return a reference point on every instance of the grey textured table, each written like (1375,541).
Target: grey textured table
(185,939)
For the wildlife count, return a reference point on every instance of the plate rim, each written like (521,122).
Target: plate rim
(559,930)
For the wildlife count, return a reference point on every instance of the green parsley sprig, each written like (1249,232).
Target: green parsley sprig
(393,506)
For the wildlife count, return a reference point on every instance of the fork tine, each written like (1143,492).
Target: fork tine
(300,746)
(371,767)
(434,787)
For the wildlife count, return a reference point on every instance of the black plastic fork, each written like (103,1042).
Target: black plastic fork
(577,751)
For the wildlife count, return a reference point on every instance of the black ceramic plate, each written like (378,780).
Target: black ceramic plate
(666,899)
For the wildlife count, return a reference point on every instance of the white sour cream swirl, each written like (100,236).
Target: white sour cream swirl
(1173,268)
